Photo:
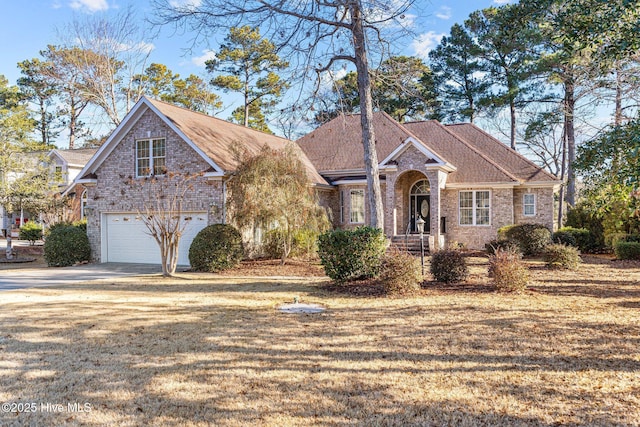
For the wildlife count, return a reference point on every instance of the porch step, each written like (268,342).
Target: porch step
(409,243)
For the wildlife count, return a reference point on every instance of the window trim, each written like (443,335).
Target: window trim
(152,142)
(359,192)
(84,201)
(474,208)
(525,204)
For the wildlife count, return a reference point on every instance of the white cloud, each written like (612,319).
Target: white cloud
(425,43)
(444,13)
(89,5)
(500,2)
(185,4)
(202,59)
(329,77)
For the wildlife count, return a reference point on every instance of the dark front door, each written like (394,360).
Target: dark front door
(421,208)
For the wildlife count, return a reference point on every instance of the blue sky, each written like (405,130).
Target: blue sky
(30,25)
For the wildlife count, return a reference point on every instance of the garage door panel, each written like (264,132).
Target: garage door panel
(128,240)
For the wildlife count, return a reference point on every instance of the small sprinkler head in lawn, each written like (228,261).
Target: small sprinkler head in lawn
(296,300)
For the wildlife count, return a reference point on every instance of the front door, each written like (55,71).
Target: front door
(420,208)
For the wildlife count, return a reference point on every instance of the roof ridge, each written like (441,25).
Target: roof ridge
(481,154)
(154,100)
(505,147)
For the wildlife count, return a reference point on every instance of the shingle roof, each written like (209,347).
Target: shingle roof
(77,157)
(478,157)
(337,145)
(215,137)
(518,165)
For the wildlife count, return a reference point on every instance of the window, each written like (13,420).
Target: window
(529,204)
(475,207)
(57,175)
(150,157)
(84,199)
(357,206)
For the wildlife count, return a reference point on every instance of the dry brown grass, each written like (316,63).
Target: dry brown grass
(209,350)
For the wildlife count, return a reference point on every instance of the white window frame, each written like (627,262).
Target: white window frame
(475,209)
(531,204)
(359,211)
(152,158)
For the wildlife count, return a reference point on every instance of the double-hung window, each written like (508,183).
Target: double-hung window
(150,157)
(529,204)
(475,207)
(357,206)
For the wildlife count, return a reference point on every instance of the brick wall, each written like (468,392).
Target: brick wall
(114,193)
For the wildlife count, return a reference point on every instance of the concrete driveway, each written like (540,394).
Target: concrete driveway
(38,277)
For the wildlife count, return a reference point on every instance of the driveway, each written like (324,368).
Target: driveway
(38,277)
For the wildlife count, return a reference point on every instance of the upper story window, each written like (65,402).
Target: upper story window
(475,207)
(357,206)
(150,157)
(58,174)
(529,204)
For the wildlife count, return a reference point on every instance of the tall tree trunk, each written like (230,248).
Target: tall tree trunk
(569,111)
(563,173)
(376,217)
(512,110)
(617,121)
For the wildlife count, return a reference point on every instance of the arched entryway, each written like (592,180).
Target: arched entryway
(420,205)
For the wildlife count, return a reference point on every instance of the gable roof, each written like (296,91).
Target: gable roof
(77,157)
(210,137)
(337,145)
(469,154)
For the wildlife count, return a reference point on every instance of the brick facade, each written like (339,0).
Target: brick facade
(113,192)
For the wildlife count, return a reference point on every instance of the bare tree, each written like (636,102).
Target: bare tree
(158,201)
(112,51)
(316,34)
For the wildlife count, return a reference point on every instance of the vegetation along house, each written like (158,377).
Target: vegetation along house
(464,183)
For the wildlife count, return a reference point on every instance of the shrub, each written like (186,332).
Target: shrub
(66,245)
(494,245)
(581,238)
(449,266)
(631,238)
(31,232)
(558,255)
(352,254)
(216,247)
(272,245)
(581,216)
(305,243)
(507,270)
(627,250)
(400,273)
(530,238)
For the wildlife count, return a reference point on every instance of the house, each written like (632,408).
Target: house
(464,183)
(65,166)
(159,136)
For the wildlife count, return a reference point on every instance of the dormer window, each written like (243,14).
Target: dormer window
(150,157)
(58,174)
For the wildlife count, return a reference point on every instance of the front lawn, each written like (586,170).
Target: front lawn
(211,350)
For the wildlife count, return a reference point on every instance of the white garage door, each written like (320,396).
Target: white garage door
(127,239)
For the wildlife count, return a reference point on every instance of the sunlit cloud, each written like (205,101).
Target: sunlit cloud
(200,61)
(89,5)
(501,2)
(444,13)
(425,43)
(185,4)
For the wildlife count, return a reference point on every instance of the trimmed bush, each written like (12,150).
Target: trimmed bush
(66,245)
(560,256)
(400,273)
(507,270)
(352,254)
(31,232)
(216,247)
(530,238)
(580,238)
(449,266)
(627,250)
